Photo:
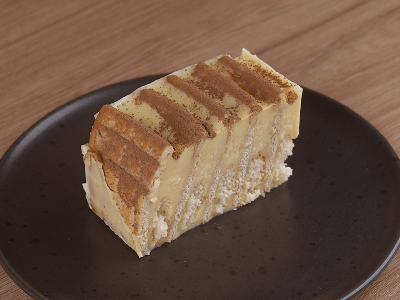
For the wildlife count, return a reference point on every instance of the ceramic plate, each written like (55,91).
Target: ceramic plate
(324,234)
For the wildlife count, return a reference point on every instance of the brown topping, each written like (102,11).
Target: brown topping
(142,136)
(131,191)
(252,82)
(129,154)
(127,186)
(218,85)
(268,74)
(124,153)
(198,95)
(185,128)
(291,97)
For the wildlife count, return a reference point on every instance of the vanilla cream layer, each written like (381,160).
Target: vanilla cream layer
(219,174)
(182,180)
(103,201)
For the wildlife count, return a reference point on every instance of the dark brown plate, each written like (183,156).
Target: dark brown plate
(325,234)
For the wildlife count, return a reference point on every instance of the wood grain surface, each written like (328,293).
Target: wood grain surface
(54,51)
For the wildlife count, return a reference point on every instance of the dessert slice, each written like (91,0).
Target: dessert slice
(187,147)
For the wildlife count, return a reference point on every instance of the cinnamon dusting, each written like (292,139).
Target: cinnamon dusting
(252,82)
(291,97)
(130,154)
(201,97)
(218,85)
(185,128)
(124,153)
(133,130)
(131,191)
(269,75)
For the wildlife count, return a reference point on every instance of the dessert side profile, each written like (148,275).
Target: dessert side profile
(190,146)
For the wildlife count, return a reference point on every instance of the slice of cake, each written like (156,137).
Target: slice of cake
(187,147)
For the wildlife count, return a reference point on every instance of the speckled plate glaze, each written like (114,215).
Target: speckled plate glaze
(325,234)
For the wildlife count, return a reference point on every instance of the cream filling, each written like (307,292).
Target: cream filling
(219,175)
(185,186)
(190,187)
(103,201)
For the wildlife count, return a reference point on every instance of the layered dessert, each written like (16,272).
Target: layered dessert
(192,145)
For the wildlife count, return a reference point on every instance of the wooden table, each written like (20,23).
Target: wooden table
(54,51)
